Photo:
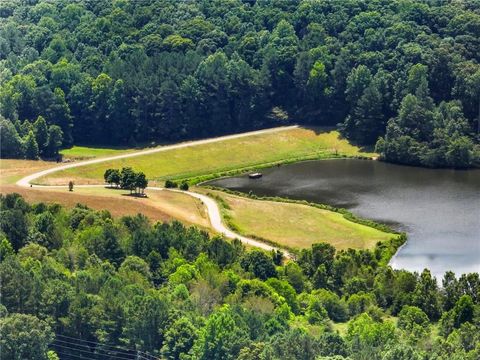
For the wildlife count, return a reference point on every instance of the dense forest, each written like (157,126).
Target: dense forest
(128,72)
(78,284)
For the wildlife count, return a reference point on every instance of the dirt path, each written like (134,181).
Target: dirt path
(213,210)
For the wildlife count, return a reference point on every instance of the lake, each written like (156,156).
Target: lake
(439,209)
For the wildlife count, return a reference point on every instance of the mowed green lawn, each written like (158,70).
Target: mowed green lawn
(87,152)
(198,160)
(297,225)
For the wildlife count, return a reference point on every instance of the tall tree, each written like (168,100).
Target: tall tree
(31,147)
(10,142)
(24,337)
(40,129)
(55,140)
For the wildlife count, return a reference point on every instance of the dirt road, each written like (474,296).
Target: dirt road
(213,210)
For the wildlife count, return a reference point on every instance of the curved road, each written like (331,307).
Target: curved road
(212,207)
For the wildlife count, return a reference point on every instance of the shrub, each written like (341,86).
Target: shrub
(170,184)
(184,186)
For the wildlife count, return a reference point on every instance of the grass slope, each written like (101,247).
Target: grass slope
(86,152)
(296,225)
(222,156)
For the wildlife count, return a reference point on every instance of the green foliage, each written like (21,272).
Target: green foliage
(127,179)
(169,184)
(414,321)
(426,295)
(24,337)
(55,140)
(11,145)
(293,344)
(223,337)
(121,73)
(41,134)
(174,292)
(367,336)
(6,248)
(31,147)
(179,339)
(336,307)
(112,176)
(259,264)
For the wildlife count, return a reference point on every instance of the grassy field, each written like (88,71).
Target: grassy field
(158,206)
(218,157)
(295,225)
(86,152)
(12,170)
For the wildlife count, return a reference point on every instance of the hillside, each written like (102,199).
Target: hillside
(135,72)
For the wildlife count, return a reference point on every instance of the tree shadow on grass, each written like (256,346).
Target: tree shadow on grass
(133,195)
(318,130)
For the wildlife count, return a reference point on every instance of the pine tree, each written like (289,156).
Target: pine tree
(55,139)
(41,134)
(31,147)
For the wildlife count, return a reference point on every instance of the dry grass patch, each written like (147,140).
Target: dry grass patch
(159,206)
(12,170)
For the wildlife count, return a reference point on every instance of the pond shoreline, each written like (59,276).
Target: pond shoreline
(436,207)
(398,239)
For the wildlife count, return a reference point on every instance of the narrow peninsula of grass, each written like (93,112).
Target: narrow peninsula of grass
(295,224)
(199,162)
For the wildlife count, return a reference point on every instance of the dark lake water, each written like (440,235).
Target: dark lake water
(438,209)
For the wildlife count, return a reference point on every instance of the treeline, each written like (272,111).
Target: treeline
(29,140)
(81,277)
(126,179)
(126,72)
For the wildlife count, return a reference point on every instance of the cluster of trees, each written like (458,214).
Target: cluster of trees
(123,72)
(82,284)
(126,179)
(29,140)
(425,134)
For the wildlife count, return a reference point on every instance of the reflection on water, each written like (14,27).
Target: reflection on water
(439,209)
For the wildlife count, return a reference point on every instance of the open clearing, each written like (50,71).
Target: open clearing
(225,155)
(296,225)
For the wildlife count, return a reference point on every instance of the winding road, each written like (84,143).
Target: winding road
(213,210)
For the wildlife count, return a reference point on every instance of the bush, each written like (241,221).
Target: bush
(184,186)
(170,184)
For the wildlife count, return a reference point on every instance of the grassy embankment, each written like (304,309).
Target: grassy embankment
(202,162)
(297,224)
